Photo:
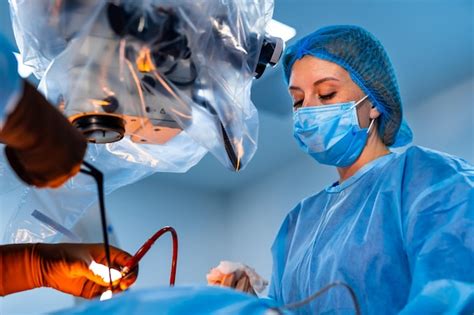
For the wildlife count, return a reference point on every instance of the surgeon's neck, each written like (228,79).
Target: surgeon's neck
(374,149)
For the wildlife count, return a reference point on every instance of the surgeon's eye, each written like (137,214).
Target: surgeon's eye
(327,97)
(297,104)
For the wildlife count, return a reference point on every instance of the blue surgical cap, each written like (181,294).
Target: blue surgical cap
(363,56)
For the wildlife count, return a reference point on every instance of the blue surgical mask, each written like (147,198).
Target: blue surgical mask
(331,133)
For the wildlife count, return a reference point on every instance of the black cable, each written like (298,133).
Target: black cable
(191,80)
(322,291)
(99,178)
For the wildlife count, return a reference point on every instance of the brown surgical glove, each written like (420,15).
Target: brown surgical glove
(42,147)
(64,267)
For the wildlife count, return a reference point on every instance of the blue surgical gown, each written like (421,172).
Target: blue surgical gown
(400,232)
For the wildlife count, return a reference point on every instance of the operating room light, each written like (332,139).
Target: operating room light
(107,295)
(281,30)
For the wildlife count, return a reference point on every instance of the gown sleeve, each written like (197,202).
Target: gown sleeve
(280,249)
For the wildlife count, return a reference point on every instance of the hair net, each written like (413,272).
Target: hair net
(363,56)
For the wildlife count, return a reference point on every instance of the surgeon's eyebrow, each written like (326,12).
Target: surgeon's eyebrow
(292,87)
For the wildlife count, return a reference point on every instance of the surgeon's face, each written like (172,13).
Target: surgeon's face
(315,82)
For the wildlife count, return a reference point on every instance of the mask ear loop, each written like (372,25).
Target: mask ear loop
(370,125)
(373,120)
(361,100)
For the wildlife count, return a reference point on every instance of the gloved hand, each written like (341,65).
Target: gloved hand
(64,267)
(238,276)
(43,148)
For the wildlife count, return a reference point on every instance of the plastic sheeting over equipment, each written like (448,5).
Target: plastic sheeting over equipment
(168,73)
(154,85)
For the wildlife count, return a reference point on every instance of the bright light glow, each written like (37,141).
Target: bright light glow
(99,102)
(278,29)
(103,272)
(23,70)
(107,295)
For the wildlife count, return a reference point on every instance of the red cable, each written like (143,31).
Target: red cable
(133,262)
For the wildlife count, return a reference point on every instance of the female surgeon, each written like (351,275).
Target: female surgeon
(396,227)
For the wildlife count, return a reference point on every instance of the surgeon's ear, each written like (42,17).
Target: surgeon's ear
(374,113)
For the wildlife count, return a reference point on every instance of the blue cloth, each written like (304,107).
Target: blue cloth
(400,232)
(365,59)
(179,300)
(10,87)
